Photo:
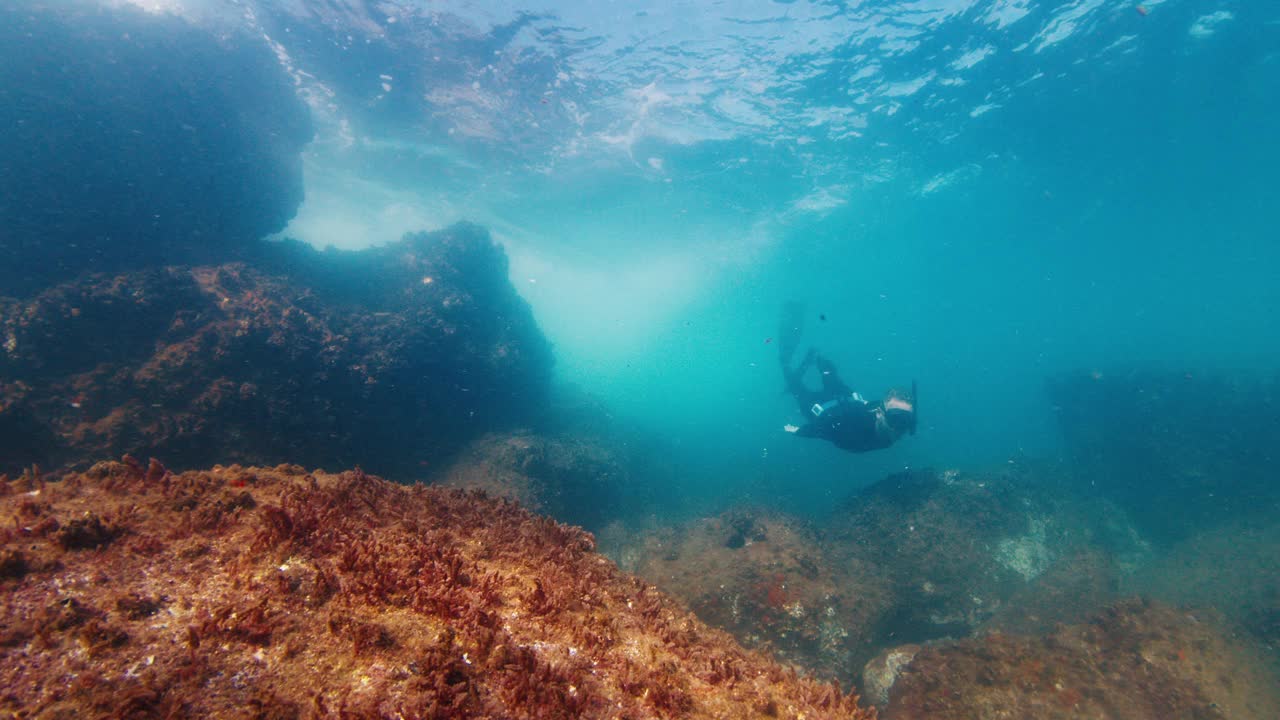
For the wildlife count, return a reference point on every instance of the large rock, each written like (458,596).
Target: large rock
(916,557)
(1017,548)
(1232,568)
(132,139)
(766,578)
(577,463)
(391,359)
(127,591)
(1133,661)
(573,478)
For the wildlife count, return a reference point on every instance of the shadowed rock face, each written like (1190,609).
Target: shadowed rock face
(132,139)
(391,359)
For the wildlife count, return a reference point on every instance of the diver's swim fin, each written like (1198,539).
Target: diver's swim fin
(790,330)
(915,407)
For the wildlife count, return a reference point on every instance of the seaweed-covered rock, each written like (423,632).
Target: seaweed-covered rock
(1232,568)
(1134,661)
(132,139)
(391,359)
(572,478)
(577,463)
(1079,581)
(916,557)
(881,672)
(765,578)
(1016,547)
(279,593)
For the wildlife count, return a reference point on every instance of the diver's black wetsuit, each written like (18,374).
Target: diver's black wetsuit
(846,420)
(842,417)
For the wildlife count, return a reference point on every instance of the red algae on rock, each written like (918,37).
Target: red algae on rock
(1136,660)
(764,577)
(252,592)
(322,358)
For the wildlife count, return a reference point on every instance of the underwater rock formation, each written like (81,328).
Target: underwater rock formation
(392,359)
(1133,661)
(1231,568)
(572,478)
(916,557)
(574,461)
(132,139)
(1076,584)
(1181,452)
(958,549)
(765,578)
(131,591)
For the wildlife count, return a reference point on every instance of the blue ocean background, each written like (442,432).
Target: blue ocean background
(974,194)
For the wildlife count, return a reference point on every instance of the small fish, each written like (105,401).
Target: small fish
(823,317)
(1142,10)
(768,340)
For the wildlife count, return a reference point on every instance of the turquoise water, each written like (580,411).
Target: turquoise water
(973,194)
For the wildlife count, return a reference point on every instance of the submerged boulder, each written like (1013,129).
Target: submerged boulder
(916,557)
(1133,661)
(1015,548)
(576,462)
(1231,568)
(391,359)
(134,139)
(571,477)
(765,577)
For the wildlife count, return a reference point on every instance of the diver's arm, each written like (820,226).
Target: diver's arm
(807,430)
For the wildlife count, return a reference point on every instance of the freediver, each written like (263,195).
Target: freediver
(836,413)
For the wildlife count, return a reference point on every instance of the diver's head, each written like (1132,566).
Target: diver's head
(900,412)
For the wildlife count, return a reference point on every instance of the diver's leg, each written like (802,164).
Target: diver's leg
(805,398)
(790,330)
(832,385)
